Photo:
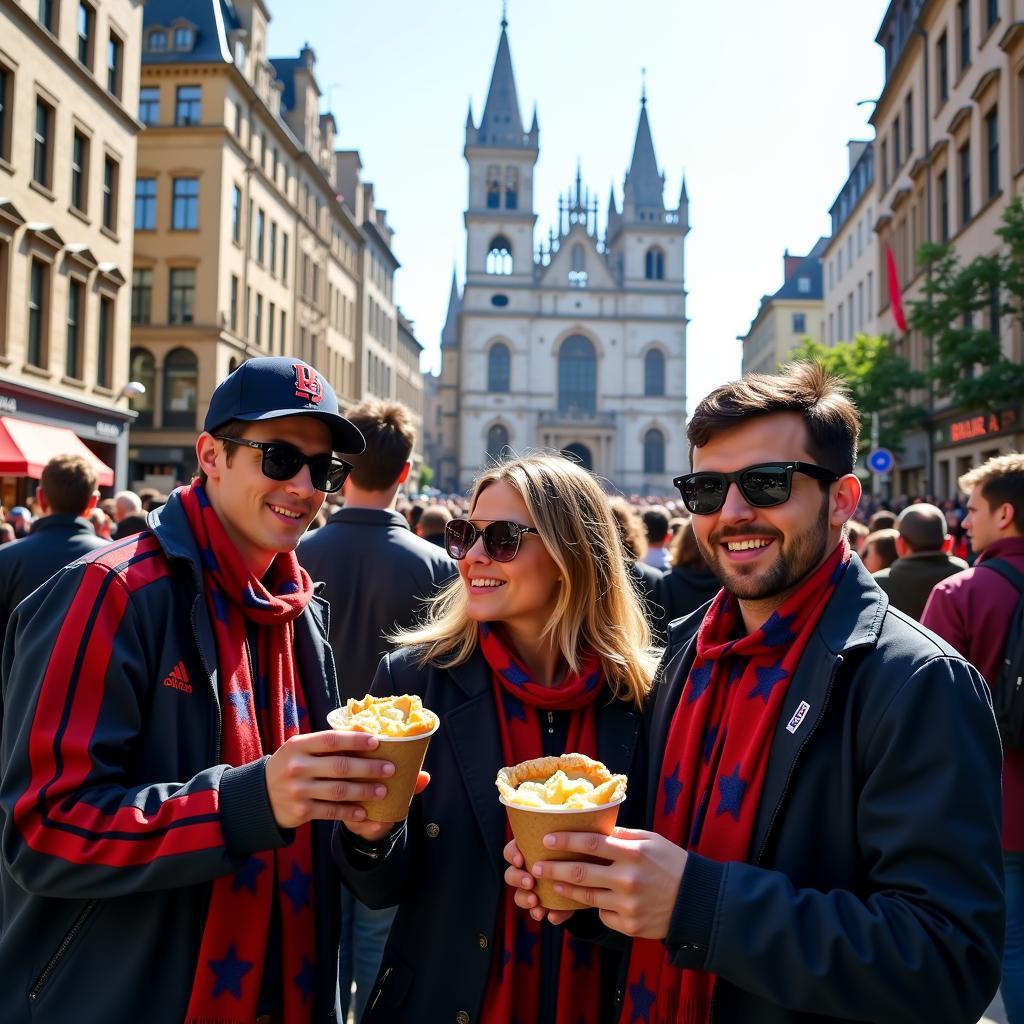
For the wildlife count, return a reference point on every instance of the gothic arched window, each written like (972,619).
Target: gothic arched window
(142,367)
(181,387)
(499,256)
(498,370)
(654,451)
(654,373)
(578,268)
(497,442)
(511,188)
(577,375)
(654,264)
(493,187)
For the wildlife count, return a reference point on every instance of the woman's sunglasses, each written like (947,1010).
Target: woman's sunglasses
(281,461)
(501,538)
(763,485)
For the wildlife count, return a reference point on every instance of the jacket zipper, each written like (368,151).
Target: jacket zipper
(209,678)
(76,926)
(380,989)
(551,723)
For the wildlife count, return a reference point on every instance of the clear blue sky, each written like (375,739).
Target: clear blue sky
(754,100)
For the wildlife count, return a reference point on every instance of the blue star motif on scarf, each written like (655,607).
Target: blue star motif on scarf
(767,679)
(513,707)
(673,786)
(306,979)
(737,666)
(592,680)
(209,560)
(731,790)
(525,941)
(642,999)
(220,604)
(254,600)
(297,887)
(289,587)
(247,874)
(699,681)
(293,714)
(776,630)
(709,742)
(229,973)
(506,959)
(582,953)
(239,700)
(515,675)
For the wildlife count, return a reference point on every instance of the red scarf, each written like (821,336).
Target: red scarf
(230,965)
(716,759)
(513,989)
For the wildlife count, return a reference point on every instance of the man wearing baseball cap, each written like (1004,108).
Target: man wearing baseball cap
(167,776)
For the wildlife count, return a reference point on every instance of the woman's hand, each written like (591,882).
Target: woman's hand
(523,883)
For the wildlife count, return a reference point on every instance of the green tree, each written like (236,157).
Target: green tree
(426,477)
(967,361)
(878,379)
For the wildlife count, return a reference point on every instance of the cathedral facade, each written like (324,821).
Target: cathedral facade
(577,343)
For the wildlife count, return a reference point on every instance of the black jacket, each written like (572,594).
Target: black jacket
(55,541)
(874,890)
(647,581)
(377,577)
(909,580)
(445,868)
(682,590)
(110,681)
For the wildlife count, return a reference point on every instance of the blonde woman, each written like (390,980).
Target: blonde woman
(539,647)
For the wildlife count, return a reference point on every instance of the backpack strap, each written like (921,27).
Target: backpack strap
(1007,571)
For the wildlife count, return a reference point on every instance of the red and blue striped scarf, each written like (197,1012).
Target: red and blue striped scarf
(229,970)
(716,759)
(513,989)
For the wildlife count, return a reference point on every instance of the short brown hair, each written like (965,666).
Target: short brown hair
(884,543)
(807,388)
(631,527)
(684,550)
(1001,480)
(390,437)
(233,428)
(69,482)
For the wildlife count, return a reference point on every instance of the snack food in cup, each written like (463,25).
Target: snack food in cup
(570,793)
(404,727)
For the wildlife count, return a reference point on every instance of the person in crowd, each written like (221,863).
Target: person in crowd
(7,534)
(101,523)
(21,519)
(883,519)
(923,547)
(645,577)
(656,519)
(432,523)
(66,495)
(129,517)
(166,772)
(880,550)
(857,534)
(538,648)
(689,583)
(972,611)
(823,792)
(961,547)
(378,576)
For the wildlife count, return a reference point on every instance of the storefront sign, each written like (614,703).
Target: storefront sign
(8,404)
(972,428)
(111,430)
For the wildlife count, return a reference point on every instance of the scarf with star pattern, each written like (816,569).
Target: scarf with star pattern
(229,970)
(715,762)
(513,988)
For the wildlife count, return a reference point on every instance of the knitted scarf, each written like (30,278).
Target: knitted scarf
(715,762)
(513,988)
(267,709)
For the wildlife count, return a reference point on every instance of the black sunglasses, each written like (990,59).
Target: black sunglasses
(763,485)
(281,461)
(501,538)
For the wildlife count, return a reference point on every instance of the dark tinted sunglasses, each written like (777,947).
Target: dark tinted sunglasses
(281,461)
(501,538)
(763,485)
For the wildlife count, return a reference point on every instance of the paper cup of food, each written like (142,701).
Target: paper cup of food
(571,793)
(404,727)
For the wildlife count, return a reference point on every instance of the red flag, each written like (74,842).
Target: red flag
(895,298)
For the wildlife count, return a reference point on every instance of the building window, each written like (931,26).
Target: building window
(654,451)
(493,188)
(908,123)
(499,256)
(272,263)
(261,221)
(654,373)
(270,327)
(38,310)
(48,14)
(238,118)
(142,296)
(654,265)
(803,285)
(181,385)
(142,367)
(964,157)
(185,204)
(6,111)
(104,342)
(897,146)
(284,258)
(110,176)
(942,72)
(991,13)
(149,105)
(511,188)
(577,376)
(497,442)
(236,214)
(183,38)
(281,333)
(578,268)
(233,311)
(182,295)
(42,150)
(188,101)
(799,323)
(498,368)
(79,171)
(157,40)
(885,165)
(145,204)
(73,342)
(943,188)
(963,9)
(115,60)
(992,151)
(994,311)
(257,331)
(86,22)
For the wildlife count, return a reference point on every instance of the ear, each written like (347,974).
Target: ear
(845,499)
(404,475)
(206,455)
(41,500)
(901,547)
(947,544)
(1004,517)
(92,503)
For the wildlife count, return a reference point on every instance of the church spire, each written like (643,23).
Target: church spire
(502,124)
(450,331)
(645,185)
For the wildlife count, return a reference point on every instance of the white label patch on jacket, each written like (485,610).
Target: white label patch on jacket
(798,716)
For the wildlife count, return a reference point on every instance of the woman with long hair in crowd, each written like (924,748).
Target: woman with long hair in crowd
(689,583)
(538,648)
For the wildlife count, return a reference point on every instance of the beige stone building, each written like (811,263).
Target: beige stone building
(69,86)
(949,157)
(784,319)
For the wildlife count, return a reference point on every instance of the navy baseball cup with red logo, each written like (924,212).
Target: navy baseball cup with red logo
(273,386)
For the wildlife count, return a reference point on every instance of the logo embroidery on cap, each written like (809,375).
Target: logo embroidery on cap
(798,717)
(307,383)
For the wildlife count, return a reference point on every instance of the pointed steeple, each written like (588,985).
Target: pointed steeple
(450,331)
(502,124)
(645,185)
(469,118)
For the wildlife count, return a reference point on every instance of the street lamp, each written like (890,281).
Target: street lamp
(133,389)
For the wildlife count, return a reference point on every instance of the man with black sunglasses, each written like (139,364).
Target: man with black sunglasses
(168,776)
(824,796)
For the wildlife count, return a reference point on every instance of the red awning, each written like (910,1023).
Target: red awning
(25,448)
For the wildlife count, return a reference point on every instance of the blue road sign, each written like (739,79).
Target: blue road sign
(881,460)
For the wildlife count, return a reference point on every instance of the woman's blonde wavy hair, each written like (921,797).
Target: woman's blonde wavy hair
(598,605)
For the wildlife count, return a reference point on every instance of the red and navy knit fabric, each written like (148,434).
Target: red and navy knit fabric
(513,988)
(716,759)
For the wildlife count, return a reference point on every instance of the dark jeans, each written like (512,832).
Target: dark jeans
(1013,956)
(363,935)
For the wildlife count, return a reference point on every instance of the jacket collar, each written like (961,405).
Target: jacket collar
(997,549)
(369,517)
(169,524)
(55,521)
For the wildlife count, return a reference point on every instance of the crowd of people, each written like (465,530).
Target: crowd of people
(822,820)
